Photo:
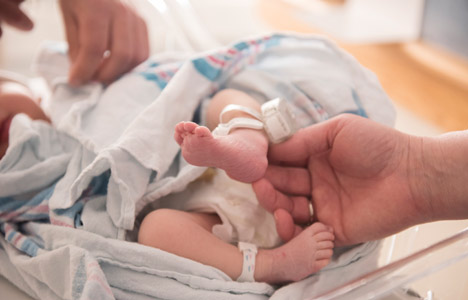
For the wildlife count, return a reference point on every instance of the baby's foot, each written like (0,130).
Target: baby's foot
(242,153)
(302,256)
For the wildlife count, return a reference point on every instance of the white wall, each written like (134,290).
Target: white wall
(226,20)
(365,21)
(17,48)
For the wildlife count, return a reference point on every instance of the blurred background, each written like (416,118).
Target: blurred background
(417,48)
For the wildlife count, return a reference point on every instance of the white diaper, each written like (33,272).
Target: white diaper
(243,219)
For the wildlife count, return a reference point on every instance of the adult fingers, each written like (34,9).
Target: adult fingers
(140,33)
(305,143)
(11,14)
(121,46)
(93,40)
(272,200)
(141,42)
(71,30)
(285,226)
(292,181)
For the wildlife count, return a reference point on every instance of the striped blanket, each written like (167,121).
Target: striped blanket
(70,194)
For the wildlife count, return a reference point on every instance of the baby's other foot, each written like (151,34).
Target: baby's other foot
(305,254)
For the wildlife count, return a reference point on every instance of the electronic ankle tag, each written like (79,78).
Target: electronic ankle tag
(278,120)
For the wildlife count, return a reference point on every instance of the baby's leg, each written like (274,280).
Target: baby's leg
(242,153)
(189,235)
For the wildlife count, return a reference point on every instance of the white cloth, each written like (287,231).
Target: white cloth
(243,219)
(37,156)
(127,128)
(126,131)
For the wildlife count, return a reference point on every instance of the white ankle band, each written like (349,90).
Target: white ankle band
(249,253)
(276,118)
(225,128)
(247,110)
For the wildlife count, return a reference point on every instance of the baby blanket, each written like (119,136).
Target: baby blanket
(70,194)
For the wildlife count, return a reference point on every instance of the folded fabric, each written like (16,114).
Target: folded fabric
(111,153)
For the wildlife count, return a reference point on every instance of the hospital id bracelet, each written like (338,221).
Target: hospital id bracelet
(249,253)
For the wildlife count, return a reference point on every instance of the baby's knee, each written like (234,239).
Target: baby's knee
(226,94)
(155,226)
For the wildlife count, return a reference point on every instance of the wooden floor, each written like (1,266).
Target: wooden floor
(428,81)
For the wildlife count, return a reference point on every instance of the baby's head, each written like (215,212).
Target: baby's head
(16,98)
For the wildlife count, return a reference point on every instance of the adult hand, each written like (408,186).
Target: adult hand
(357,173)
(106,39)
(11,14)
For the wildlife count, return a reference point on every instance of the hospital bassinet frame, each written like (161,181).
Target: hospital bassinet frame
(404,271)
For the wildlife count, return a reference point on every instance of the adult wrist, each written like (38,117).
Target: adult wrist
(420,178)
(442,184)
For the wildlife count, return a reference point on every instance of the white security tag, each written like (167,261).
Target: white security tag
(278,119)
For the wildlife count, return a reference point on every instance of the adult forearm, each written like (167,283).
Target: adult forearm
(442,177)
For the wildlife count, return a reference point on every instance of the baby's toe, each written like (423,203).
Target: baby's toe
(322,263)
(324,254)
(325,245)
(202,131)
(178,138)
(318,227)
(190,126)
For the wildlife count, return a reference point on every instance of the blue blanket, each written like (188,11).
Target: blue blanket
(69,194)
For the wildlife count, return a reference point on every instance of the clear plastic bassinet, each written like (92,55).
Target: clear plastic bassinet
(409,269)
